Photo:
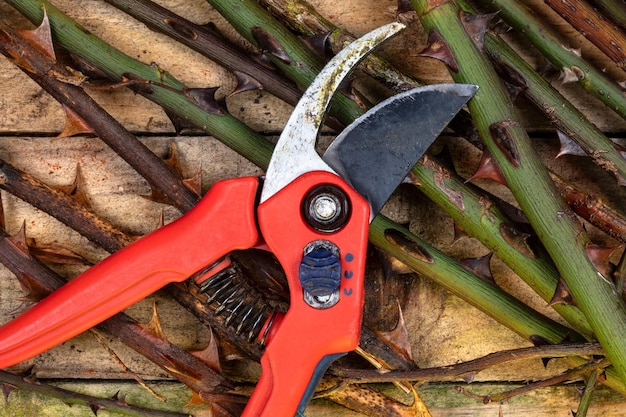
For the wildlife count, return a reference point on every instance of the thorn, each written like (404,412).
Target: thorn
(269,44)
(600,257)
(19,240)
(317,43)
(480,266)
(245,82)
(120,399)
(459,234)
(96,407)
(205,99)
(195,183)
(398,338)
(488,168)
(29,376)
(7,389)
(179,123)
(77,188)
(568,146)
(41,36)
(210,354)
(437,48)
(154,325)
(74,124)
(517,239)
(476,26)
(622,84)
(562,294)
(171,159)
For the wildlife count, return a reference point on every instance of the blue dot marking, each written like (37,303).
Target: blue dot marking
(348,274)
(349,257)
(347,292)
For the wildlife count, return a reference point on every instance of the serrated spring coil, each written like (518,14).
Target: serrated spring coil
(229,294)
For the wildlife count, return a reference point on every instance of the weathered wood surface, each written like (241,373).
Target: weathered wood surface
(443,329)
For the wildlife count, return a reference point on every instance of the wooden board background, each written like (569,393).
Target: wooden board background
(443,329)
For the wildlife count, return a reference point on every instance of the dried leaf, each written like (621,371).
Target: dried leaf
(41,36)
(74,124)
(210,354)
(568,146)
(437,48)
(398,338)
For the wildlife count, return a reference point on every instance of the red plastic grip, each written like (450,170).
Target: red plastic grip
(306,335)
(223,221)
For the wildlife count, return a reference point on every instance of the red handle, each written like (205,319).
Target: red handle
(223,221)
(307,335)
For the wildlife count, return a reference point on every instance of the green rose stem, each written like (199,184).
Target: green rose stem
(555,224)
(547,42)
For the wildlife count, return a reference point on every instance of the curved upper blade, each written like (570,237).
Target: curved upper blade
(295,152)
(375,153)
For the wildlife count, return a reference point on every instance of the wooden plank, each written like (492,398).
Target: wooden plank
(447,331)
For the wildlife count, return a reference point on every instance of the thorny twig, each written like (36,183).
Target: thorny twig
(469,368)
(569,375)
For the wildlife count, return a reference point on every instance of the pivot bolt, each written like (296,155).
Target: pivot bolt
(326,208)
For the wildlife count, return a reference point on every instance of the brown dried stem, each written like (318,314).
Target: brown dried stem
(470,368)
(51,76)
(42,281)
(569,375)
(115,404)
(586,19)
(203,40)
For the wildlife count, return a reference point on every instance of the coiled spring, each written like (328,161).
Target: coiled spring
(229,294)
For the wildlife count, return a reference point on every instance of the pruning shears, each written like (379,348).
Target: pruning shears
(311,211)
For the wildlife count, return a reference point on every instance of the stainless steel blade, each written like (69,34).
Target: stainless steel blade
(295,152)
(375,153)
